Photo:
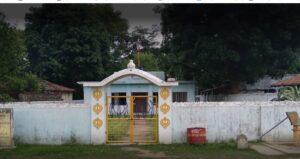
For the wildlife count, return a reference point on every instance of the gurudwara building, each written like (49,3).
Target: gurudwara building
(132,105)
(185,91)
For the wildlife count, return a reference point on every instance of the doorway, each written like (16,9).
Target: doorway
(140,103)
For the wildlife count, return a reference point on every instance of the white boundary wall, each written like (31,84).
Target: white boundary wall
(51,122)
(225,120)
(58,122)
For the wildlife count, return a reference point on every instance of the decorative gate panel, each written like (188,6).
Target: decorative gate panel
(132,119)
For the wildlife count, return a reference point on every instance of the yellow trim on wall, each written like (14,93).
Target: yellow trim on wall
(165,122)
(164,93)
(97,123)
(165,108)
(97,93)
(97,108)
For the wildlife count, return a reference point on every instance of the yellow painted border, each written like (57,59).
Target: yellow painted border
(164,93)
(97,93)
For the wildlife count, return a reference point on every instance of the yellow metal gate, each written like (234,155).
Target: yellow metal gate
(132,119)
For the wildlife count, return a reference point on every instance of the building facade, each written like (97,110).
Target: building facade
(135,85)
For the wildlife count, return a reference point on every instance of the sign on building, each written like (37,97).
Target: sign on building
(6,130)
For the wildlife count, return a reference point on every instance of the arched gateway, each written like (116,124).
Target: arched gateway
(133,117)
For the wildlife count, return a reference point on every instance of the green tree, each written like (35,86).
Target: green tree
(217,44)
(69,43)
(14,77)
(141,38)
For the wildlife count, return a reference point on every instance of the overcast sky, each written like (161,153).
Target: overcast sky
(136,14)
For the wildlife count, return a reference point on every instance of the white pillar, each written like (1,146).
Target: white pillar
(128,94)
(164,115)
(98,115)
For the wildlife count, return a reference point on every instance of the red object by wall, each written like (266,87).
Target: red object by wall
(196,135)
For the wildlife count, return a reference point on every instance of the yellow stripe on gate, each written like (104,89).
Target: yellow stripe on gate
(131,120)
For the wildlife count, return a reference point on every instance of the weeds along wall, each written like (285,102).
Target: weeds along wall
(51,122)
(225,120)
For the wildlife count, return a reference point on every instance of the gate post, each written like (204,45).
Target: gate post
(96,97)
(164,115)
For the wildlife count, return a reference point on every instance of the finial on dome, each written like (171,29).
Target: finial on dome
(131,65)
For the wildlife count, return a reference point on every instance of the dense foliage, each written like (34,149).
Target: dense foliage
(70,43)
(14,76)
(291,93)
(139,38)
(143,40)
(217,44)
(212,44)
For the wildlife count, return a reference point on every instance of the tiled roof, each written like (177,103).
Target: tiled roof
(49,86)
(292,81)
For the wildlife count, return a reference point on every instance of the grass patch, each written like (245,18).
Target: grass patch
(207,151)
(66,152)
(211,151)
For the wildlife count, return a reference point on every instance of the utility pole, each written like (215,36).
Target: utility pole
(138,49)
(138,57)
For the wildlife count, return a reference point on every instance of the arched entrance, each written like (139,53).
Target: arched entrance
(134,118)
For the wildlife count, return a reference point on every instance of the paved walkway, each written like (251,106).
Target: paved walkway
(145,153)
(275,148)
(265,150)
(288,148)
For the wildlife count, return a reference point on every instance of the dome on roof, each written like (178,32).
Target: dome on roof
(131,65)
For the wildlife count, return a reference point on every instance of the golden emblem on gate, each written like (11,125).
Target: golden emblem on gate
(165,122)
(165,108)
(97,94)
(164,93)
(97,123)
(97,108)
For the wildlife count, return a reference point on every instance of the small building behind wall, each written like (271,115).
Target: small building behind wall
(50,92)
(261,90)
(291,81)
(288,88)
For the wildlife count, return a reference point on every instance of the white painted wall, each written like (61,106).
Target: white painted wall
(57,122)
(243,96)
(259,96)
(226,120)
(51,122)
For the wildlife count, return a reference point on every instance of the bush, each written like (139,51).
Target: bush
(291,93)
(5,98)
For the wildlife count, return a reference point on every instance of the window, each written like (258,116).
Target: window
(179,96)
(118,98)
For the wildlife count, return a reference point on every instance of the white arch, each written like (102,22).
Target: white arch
(129,72)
